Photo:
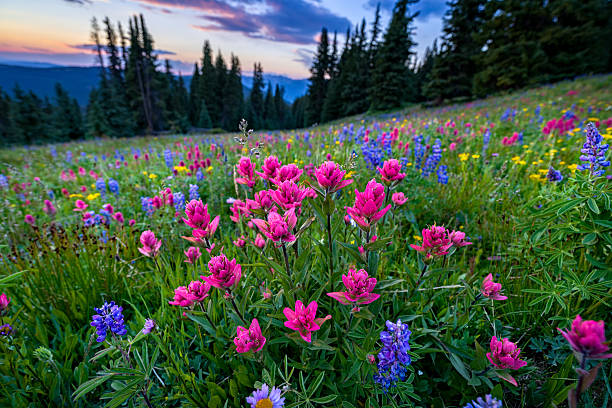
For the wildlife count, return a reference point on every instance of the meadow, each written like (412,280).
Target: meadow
(422,258)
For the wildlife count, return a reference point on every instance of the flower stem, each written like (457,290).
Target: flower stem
(419,281)
(580,378)
(331,253)
(286,260)
(235,306)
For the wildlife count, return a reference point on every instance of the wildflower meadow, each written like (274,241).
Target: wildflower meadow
(458,256)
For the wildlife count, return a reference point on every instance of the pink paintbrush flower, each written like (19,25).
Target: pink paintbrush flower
(199,219)
(587,337)
(435,242)
(80,205)
(259,242)
(330,177)
(288,195)
(263,201)
(458,239)
(278,228)
(288,172)
(391,172)
(504,354)
(249,339)
(246,168)
(49,208)
(195,292)
(491,289)
(399,199)
(366,211)
(224,273)
(240,242)
(303,320)
(29,219)
(118,217)
(269,168)
(150,244)
(359,288)
(239,209)
(192,254)
(4,303)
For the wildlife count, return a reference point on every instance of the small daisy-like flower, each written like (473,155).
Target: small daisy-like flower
(266,398)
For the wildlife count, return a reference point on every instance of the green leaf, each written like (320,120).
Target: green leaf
(459,366)
(589,239)
(325,400)
(593,205)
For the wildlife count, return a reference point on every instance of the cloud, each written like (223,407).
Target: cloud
(304,55)
(92,48)
(290,21)
(81,2)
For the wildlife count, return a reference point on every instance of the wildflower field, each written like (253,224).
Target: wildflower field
(444,257)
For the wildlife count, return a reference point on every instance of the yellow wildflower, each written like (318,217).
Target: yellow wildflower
(475,156)
(75,195)
(152,176)
(464,156)
(92,197)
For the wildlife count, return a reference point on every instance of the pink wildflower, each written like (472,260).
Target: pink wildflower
(118,217)
(587,337)
(49,208)
(359,288)
(4,303)
(224,273)
(150,244)
(245,168)
(399,199)
(435,242)
(391,172)
(491,289)
(29,219)
(269,168)
(504,354)
(278,227)
(331,177)
(288,195)
(192,254)
(249,339)
(303,320)
(288,172)
(80,205)
(366,210)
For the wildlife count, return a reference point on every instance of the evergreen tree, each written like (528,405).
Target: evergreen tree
(297,112)
(354,90)
(233,98)
(207,76)
(28,117)
(317,89)
(255,104)
(215,106)
(8,132)
(96,123)
(66,116)
(270,116)
(392,81)
(204,121)
(282,109)
(195,96)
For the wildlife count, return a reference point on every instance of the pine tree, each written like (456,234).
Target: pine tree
(7,127)
(27,117)
(255,105)
(233,98)
(204,121)
(317,89)
(270,115)
(354,91)
(66,116)
(281,107)
(215,106)
(298,108)
(195,95)
(392,81)
(207,75)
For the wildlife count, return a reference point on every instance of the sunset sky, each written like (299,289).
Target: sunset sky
(279,33)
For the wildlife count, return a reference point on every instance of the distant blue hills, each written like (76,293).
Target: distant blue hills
(40,78)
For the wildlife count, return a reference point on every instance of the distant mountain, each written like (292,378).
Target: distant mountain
(79,81)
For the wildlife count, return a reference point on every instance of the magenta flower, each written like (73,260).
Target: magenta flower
(587,337)
(491,289)
(269,168)
(331,177)
(49,208)
(278,228)
(359,288)
(391,172)
(288,172)
(118,217)
(263,201)
(246,168)
(366,211)
(504,354)
(239,209)
(199,219)
(303,320)
(4,303)
(224,273)
(197,291)
(80,205)
(259,242)
(192,254)
(150,244)
(29,219)
(458,239)
(399,199)
(240,242)
(249,339)
(435,242)
(288,195)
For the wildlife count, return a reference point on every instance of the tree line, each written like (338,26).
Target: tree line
(487,46)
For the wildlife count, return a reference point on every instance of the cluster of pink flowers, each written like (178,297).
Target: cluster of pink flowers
(278,228)
(559,125)
(246,169)
(224,274)
(359,287)
(367,211)
(391,173)
(509,141)
(195,292)
(199,219)
(330,177)
(150,244)
(250,339)
(437,241)
(504,354)
(587,338)
(303,319)
(491,289)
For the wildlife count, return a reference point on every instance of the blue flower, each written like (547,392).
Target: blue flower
(6,330)
(442,175)
(193,192)
(147,205)
(179,201)
(168,158)
(113,186)
(393,358)
(554,175)
(199,175)
(487,402)
(109,317)
(266,397)
(69,156)
(101,186)
(593,152)
(433,159)
(3,181)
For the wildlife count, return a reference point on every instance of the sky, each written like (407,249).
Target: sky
(281,34)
